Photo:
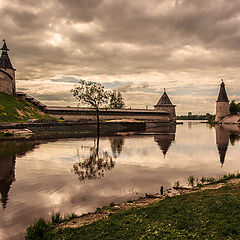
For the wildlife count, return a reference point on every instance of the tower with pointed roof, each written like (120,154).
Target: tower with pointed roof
(165,104)
(222,104)
(7,72)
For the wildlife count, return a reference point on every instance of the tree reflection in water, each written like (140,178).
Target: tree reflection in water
(117,145)
(95,165)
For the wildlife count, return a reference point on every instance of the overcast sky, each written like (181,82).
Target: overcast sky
(136,46)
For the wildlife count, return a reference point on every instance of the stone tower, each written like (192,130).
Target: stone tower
(165,104)
(222,104)
(7,72)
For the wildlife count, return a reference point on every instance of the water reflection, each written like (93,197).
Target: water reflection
(94,165)
(224,133)
(116,145)
(8,153)
(7,177)
(165,137)
(132,168)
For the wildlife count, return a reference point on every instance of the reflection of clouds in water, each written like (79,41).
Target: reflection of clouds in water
(45,183)
(8,153)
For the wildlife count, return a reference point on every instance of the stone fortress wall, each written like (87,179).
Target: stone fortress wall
(7,72)
(170,109)
(7,82)
(222,110)
(164,110)
(78,114)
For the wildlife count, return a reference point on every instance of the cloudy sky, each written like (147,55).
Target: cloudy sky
(138,47)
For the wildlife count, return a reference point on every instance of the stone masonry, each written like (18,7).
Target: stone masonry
(7,72)
(222,104)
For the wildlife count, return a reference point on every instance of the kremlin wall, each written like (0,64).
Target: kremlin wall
(164,110)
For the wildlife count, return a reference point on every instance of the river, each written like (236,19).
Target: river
(38,179)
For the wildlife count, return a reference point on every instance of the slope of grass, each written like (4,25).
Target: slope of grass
(209,214)
(13,109)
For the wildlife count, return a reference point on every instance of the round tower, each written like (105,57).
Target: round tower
(222,104)
(7,72)
(165,104)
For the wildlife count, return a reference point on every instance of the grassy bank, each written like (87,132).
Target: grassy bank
(56,130)
(13,109)
(208,214)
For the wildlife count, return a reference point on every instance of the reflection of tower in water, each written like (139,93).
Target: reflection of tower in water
(165,138)
(7,176)
(222,141)
(8,153)
(224,133)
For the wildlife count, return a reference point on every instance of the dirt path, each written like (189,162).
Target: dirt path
(105,212)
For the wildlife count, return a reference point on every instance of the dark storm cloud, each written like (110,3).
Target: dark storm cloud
(84,38)
(80,10)
(130,36)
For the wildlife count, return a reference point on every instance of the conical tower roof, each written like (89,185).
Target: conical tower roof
(222,96)
(164,142)
(4,189)
(4,47)
(164,100)
(222,149)
(4,59)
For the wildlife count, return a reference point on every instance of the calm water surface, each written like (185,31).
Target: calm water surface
(38,179)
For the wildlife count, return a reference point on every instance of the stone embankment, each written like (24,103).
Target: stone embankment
(232,119)
(55,130)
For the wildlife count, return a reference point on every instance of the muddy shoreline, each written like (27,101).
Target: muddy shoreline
(58,130)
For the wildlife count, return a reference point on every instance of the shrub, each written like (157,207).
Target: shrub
(191,180)
(39,231)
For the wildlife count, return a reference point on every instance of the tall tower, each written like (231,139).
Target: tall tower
(165,104)
(7,72)
(222,104)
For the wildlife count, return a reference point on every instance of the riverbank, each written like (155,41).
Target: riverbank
(56,130)
(210,211)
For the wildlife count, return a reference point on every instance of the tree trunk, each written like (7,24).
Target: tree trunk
(98,128)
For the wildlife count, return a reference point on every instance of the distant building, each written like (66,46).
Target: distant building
(165,104)
(189,114)
(222,104)
(7,72)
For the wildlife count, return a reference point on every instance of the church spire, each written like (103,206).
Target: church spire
(4,59)
(222,96)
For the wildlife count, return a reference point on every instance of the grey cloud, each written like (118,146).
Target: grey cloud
(53,97)
(125,88)
(66,80)
(80,10)
(123,38)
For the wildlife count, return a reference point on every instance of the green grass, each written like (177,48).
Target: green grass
(13,109)
(209,214)
(195,182)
